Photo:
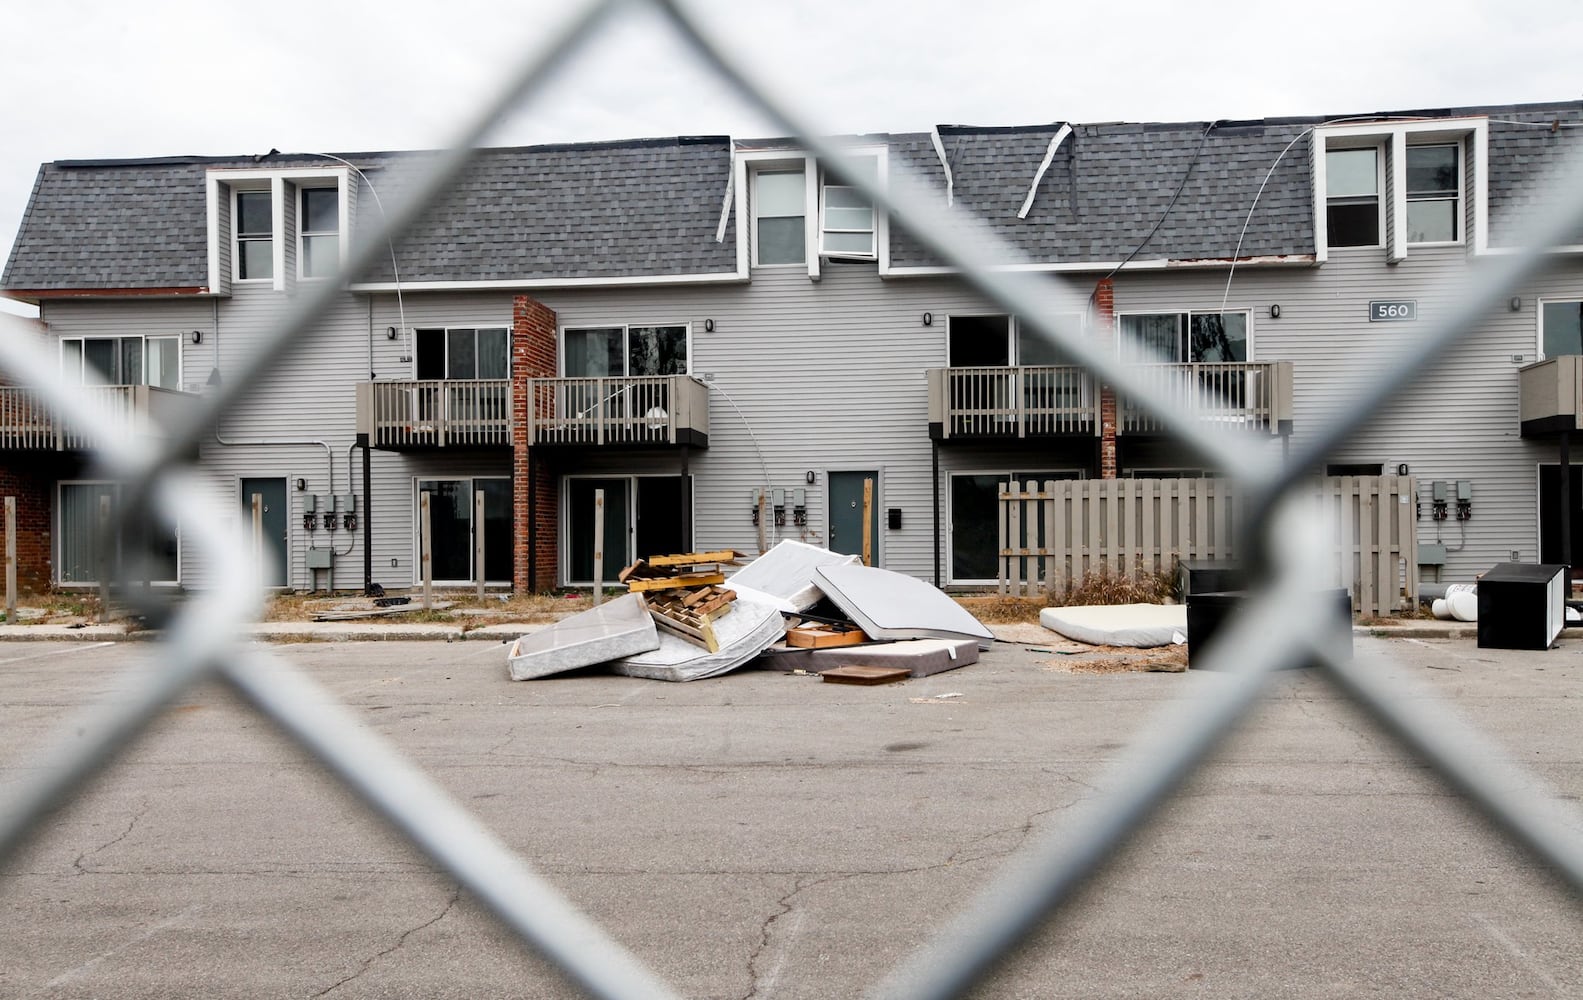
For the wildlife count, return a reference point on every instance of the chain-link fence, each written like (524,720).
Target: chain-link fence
(1273,630)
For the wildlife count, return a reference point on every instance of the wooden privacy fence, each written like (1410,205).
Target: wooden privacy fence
(1064,530)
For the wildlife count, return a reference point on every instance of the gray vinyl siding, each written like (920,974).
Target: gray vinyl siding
(224,241)
(288,235)
(1456,420)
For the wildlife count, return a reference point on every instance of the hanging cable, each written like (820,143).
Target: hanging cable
(395,272)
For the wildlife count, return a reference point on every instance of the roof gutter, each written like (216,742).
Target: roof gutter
(945,165)
(1038,175)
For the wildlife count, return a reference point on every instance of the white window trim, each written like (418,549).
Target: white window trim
(1471,133)
(417,529)
(223,182)
(749,162)
(303,233)
(1539,321)
(951,579)
(276,220)
(446,329)
(1380,159)
(57,557)
(563,526)
(1253,357)
(625,328)
(1075,320)
(1459,217)
(181,349)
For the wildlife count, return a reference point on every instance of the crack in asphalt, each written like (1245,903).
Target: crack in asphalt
(456,894)
(809,880)
(79,864)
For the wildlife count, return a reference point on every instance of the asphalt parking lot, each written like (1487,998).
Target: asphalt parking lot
(770,835)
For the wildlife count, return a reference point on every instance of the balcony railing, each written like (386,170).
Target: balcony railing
(1252,395)
(1019,402)
(29,423)
(435,413)
(1550,396)
(639,410)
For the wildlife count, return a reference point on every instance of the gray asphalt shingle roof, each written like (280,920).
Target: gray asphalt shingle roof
(651,207)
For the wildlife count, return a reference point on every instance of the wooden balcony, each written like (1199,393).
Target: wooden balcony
(1550,396)
(1243,395)
(435,413)
(29,423)
(1012,402)
(665,410)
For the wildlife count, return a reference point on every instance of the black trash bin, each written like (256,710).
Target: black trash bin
(1522,605)
(1206,613)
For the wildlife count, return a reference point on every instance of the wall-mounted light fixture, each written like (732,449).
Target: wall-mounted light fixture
(302,484)
(709,326)
(1401,470)
(808,477)
(196,336)
(1275,312)
(1516,304)
(928,319)
(390,333)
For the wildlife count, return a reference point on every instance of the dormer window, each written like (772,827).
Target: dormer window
(319,213)
(846,217)
(255,236)
(1352,197)
(1434,185)
(779,214)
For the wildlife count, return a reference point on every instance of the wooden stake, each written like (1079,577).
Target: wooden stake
(599,546)
(478,540)
(868,522)
(10,560)
(425,555)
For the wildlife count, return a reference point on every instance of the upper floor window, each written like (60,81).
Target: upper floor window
(154,361)
(319,215)
(255,235)
(1434,185)
(1561,328)
(846,216)
(1352,197)
(779,214)
(622,351)
(997,341)
(463,353)
(1191,337)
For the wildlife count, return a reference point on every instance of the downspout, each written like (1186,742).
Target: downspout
(934,461)
(368,522)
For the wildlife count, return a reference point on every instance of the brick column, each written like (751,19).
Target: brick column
(533,495)
(1104,328)
(34,489)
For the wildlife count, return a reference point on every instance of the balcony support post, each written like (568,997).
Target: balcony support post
(1566,509)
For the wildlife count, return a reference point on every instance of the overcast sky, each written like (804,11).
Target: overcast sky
(169,77)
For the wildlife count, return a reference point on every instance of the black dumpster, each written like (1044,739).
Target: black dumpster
(1207,612)
(1209,576)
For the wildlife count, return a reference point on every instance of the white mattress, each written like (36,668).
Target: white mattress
(783,577)
(743,633)
(616,628)
(1120,624)
(892,606)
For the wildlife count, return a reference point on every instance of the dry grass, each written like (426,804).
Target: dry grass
(1103,588)
(996,609)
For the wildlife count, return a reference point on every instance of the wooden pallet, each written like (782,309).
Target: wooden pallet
(824,636)
(690,614)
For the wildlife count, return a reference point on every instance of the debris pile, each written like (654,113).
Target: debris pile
(796,608)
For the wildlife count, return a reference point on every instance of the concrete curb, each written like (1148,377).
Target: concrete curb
(292,632)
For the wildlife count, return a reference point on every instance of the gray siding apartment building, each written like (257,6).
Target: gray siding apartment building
(687,322)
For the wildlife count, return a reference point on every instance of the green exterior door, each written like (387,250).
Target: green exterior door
(846,514)
(273,492)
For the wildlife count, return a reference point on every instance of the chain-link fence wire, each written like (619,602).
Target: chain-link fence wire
(1274,629)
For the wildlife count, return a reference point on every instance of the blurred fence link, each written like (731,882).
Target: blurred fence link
(1274,629)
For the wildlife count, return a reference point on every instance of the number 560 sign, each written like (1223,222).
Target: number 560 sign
(1388,310)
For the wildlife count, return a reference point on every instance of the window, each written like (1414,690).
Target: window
(779,217)
(463,353)
(1352,197)
(1434,183)
(974,519)
(1195,338)
(255,236)
(85,552)
(154,361)
(1355,469)
(451,528)
(846,216)
(319,218)
(991,341)
(618,351)
(1561,328)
